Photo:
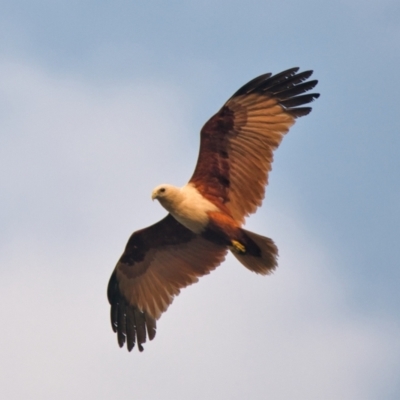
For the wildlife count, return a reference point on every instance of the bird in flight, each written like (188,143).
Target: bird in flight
(205,216)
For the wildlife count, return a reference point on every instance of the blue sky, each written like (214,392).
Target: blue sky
(101,101)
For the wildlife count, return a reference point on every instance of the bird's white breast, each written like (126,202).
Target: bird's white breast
(190,208)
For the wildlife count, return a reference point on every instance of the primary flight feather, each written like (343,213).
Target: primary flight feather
(206,216)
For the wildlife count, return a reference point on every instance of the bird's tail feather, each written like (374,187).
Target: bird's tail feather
(260,253)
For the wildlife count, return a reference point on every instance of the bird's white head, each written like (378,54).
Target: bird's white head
(160,191)
(166,194)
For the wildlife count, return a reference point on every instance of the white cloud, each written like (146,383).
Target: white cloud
(83,160)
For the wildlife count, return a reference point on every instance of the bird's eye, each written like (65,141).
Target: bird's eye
(162,190)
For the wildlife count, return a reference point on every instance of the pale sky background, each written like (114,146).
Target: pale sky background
(100,101)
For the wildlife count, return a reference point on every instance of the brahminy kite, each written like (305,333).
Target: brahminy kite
(206,216)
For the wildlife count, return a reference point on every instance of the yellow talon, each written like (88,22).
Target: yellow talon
(238,247)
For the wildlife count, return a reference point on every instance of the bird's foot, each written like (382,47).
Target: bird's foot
(237,247)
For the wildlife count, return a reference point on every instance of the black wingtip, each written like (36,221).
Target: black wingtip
(285,75)
(287,87)
(131,325)
(249,86)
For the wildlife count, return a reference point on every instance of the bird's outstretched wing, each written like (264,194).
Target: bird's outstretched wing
(237,143)
(157,262)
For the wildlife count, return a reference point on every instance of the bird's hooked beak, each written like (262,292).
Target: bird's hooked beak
(154,195)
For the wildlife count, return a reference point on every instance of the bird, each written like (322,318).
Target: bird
(206,216)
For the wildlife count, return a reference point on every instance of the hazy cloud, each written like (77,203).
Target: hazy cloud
(78,165)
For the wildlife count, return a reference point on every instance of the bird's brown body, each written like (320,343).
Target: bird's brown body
(206,216)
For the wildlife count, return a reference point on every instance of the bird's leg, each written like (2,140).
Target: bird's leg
(237,247)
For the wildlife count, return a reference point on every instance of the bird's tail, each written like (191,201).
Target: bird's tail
(257,253)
